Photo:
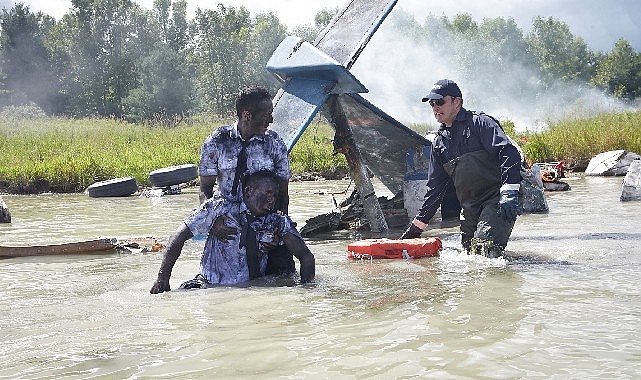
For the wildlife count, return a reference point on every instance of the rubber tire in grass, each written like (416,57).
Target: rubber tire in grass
(173,175)
(117,187)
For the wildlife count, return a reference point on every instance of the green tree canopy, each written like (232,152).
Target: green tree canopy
(113,58)
(620,71)
(164,86)
(558,53)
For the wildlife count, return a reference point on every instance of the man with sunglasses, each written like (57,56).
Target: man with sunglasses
(473,150)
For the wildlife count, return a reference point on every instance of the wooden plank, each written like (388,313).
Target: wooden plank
(89,246)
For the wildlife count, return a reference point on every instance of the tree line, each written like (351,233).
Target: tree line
(550,50)
(113,58)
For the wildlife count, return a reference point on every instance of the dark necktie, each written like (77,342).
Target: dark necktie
(248,239)
(241,166)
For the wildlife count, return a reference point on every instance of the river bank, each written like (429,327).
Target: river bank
(57,155)
(52,155)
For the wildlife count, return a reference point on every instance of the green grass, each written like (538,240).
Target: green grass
(313,154)
(578,140)
(68,155)
(65,155)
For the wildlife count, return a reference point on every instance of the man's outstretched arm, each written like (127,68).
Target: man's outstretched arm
(170,255)
(307,262)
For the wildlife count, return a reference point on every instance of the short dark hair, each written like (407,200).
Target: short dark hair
(249,97)
(261,175)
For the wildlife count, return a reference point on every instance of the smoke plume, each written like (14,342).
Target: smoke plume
(398,72)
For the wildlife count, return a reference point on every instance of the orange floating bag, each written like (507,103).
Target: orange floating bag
(394,248)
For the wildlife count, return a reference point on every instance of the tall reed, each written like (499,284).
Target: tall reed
(579,140)
(67,155)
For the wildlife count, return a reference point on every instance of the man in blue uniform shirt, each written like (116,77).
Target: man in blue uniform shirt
(234,151)
(484,164)
(242,257)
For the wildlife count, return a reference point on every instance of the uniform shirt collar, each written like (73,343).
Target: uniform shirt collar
(235,133)
(245,210)
(460,116)
(243,207)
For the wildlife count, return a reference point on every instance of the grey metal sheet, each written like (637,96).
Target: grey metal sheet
(382,141)
(295,58)
(296,105)
(351,29)
(342,40)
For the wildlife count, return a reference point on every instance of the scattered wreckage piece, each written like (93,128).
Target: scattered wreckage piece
(156,192)
(173,175)
(5,215)
(167,181)
(352,216)
(316,76)
(117,187)
(611,163)
(99,245)
(556,185)
(550,174)
(345,143)
(81,247)
(631,189)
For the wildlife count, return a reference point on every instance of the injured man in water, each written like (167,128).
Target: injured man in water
(256,230)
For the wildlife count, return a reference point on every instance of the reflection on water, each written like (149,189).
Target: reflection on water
(564,304)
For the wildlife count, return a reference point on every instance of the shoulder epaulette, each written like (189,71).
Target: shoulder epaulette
(221,132)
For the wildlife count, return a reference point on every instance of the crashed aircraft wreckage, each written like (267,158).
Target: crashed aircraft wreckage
(316,77)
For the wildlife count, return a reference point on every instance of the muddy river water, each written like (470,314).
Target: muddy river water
(566,305)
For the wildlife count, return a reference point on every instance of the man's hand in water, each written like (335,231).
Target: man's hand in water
(161,285)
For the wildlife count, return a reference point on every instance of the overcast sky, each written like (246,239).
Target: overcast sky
(599,22)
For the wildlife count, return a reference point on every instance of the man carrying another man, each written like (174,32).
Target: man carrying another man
(247,146)
(232,152)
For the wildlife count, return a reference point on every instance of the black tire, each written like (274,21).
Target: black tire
(117,187)
(173,175)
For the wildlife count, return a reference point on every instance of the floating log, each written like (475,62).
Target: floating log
(99,245)
(89,246)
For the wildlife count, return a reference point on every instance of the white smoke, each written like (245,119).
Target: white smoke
(399,72)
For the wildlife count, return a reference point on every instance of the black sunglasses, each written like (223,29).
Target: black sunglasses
(437,102)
